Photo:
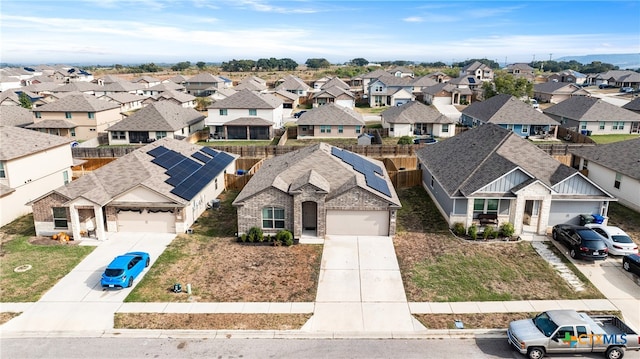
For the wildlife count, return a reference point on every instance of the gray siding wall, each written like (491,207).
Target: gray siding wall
(569,211)
(437,192)
(505,183)
(577,185)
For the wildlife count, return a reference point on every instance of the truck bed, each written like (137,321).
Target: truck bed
(608,324)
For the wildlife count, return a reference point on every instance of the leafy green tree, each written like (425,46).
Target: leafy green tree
(288,64)
(25,101)
(181,66)
(201,65)
(405,140)
(359,61)
(317,63)
(505,83)
(202,103)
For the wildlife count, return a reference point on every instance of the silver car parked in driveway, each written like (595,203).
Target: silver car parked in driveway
(618,242)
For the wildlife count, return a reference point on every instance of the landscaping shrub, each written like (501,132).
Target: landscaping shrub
(473,232)
(243,237)
(458,229)
(255,235)
(489,232)
(284,236)
(405,140)
(507,230)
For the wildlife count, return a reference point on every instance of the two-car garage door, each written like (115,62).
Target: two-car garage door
(146,221)
(354,223)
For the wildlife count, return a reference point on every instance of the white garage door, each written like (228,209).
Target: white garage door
(134,221)
(372,223)
(442,100)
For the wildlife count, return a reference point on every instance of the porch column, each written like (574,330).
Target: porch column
(297,216)
(248,133)
(75,223)
(519,215)
(101,235)
(543,215)
(469,220)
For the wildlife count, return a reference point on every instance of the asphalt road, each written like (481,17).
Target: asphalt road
(98,348)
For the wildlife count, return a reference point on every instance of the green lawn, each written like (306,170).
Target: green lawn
(604,139)
(48,263)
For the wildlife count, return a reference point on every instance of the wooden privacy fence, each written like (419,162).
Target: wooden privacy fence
(561,149)
(404,179)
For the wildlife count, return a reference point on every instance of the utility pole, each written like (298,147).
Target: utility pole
(534,58)
(550,56)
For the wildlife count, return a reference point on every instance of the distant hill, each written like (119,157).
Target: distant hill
(623,61)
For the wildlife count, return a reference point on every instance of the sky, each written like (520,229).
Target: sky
(168,31)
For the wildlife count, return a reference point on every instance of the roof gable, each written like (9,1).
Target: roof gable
(159,116)
(414,112)
(506,109)
(331,114)
(246,99)
(590,109)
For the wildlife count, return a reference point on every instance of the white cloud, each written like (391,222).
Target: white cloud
(413,19)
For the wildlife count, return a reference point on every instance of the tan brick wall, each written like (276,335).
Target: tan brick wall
(42,209)
(250,214)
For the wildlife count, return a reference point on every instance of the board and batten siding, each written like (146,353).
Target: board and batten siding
(439,194)
(505,183)
(577,185)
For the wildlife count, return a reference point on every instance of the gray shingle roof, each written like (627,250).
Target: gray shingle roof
(166,86)
(52,124)
(633,105)
(248,99)
(293,83)
(331,114)
(15,116)
(316,164)
(414,112)
(590,109)
(551,87)
(159,116)
(336,81)
(506,109)
(79,86)
(176,95)
(287,94)
(205,77)
(78,103)
(17,142)
(120,87)
(249,121)
(333,92)
(622,157)
(424,81)
(123,97)
(469,161)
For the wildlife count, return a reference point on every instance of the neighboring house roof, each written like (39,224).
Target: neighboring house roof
(18,142)
(520,66)
(331,114)
(552,87)
(250,85)
(52,124)
(333,92)
(414,112)
(336,81)
(622,157)
(179,96)
(11,95)
(287,94)
(79,86)
(446,87)
(204,77)
(291,82)
(178,79)
(633,105)
(506,109)
(159,116)
(15,116)
(78,103)
(123,97)
(573,73)
(465,80)
(469,161)
(147,79)
(394,81)
(165,86)
(121,86)
(249,121)
(591,109)
(133,170)
(424,81)
(620,76)
(474,66)
(316,165)
(375,74)
(109,79)
(43,87)
(248,99)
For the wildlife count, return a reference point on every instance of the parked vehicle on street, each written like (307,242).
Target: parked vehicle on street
(603,86)
(298,114)
(582,242)
(626,89)
(631,263)
(618,242)
(569,332)
(123,269)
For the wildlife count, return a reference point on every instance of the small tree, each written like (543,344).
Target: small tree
(458,229)
(405,140)
(255,234)
(25,101)
(507,230)
(202,103)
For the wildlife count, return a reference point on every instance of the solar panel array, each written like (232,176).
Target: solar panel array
(189,177)
(373,175)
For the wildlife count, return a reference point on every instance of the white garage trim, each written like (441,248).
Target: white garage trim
(145,221)
(372,223)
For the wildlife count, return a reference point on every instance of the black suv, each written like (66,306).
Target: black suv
(582,242)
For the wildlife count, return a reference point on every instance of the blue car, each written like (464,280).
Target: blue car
(123,269)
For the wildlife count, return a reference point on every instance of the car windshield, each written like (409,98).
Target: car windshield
(594,243)
(111,272)
(621,239)
(545,324)
(588,234)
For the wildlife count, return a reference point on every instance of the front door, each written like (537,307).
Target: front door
(635,127)
(309,216)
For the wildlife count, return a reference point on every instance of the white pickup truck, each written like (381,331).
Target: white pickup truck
(567,331)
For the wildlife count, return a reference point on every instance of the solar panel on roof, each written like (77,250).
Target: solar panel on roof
(193,184)
(158,151)
(210,151)
(371,171)
(472,80)
(168,159)
(181,171)
(201,157)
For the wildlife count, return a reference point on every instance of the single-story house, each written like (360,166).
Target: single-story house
(492,171)
(570,76)
(594,115)
(161,187)
(294,85)
(159,120)
(416,118)
(330,121)
(557,92)
(317,191)
(614,167)
(31,164)
(634,106)
(334,94)
(509,112)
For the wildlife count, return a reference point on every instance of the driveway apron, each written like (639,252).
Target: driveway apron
(78,302)
(360,288)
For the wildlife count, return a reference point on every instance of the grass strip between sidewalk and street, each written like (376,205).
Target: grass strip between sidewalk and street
(210,321)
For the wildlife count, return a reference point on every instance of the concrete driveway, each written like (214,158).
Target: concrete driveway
(78,302)
(620,287)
